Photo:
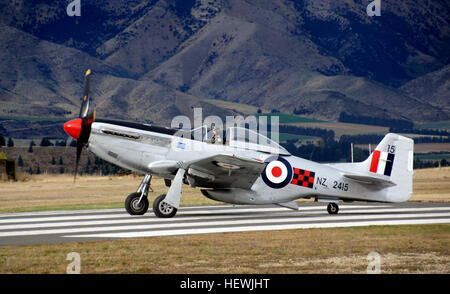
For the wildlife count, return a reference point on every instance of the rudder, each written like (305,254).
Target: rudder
(393,158)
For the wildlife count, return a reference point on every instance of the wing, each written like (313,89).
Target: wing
(224,171)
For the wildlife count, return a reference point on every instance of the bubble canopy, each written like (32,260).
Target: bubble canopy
(237,137)
(248,139)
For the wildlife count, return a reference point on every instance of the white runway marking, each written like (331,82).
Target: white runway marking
(262,228)
(95,227)
(91,225)
(120,214)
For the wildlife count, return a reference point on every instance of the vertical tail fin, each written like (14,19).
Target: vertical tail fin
(393,158)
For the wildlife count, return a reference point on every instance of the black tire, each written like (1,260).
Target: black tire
(332,208)
(162,209)
(132,206)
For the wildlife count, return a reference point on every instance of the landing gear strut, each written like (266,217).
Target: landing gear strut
(332,208)
(163,209)
(137,202)
(166,205)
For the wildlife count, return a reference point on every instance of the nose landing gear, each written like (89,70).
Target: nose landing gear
(137,202)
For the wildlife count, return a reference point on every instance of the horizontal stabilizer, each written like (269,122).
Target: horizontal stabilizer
(371,179)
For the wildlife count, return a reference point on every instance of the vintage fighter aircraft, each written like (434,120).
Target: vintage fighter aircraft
(236,169)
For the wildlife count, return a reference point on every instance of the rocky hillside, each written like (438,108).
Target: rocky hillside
(153,60)
(433,87)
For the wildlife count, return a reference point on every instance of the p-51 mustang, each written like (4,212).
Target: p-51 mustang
(234,170)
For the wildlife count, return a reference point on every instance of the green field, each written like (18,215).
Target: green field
(285,137)
(288,118)
(445,124)
(30,118)
(432,156)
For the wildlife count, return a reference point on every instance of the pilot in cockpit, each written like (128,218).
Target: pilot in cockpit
(215,138)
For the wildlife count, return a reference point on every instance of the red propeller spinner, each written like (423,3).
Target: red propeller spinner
(73,128)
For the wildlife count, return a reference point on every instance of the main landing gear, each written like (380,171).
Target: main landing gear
(162,209)
(137,203)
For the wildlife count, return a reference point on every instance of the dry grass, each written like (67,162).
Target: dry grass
(431,147)
(403,249)
(243,108)
(431,184)
(47,192)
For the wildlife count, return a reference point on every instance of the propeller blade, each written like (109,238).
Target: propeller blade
(84,110)
(77,161)
(89,119)
(80,128)
(69,141)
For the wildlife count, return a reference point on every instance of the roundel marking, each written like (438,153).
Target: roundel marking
(277,173)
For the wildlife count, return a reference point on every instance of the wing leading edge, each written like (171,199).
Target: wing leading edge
(224,171)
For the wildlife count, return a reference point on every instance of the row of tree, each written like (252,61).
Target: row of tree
(375,138)
(418,163)
(332,151)
(3,142)
(432,132)
(97,166)
(45,142)
(376,121)
(441,139)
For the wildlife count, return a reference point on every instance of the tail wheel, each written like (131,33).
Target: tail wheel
(332,208)
(134,206)
(162,209)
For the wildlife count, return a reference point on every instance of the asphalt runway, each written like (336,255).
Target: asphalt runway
(112,224)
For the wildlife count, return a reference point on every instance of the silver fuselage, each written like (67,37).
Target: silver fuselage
(145,149)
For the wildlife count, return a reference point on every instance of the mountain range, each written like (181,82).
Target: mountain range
(153,60)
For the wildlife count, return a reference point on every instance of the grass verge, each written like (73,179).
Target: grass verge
(58,192)
(403,249)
